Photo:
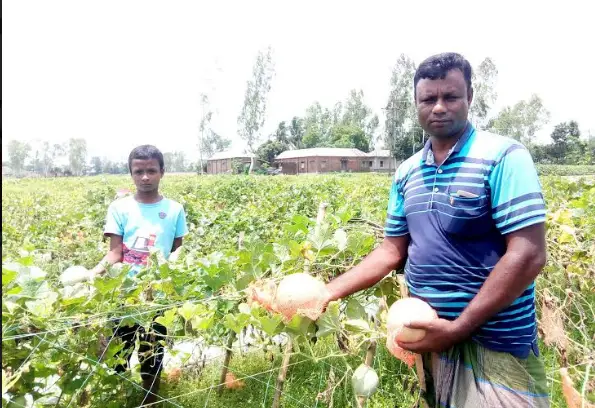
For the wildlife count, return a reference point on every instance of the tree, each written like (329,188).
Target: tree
(205,122)
(296,131)
(349,136)
(49,155)
(590,149)
(401,116)
(213,143)
(359,115)
(36,164)
(270,149)
(77,154)
(18,152)
(567,146)
(179,161)
(282,133)
(253,112)
(521,121)
(318,123)
(484,92)
(168,161)
(110,167)
(96,164)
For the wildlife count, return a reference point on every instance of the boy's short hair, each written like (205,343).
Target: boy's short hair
(146,152)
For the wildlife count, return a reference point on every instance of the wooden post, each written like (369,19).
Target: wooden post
(419,365)
(282,374)
(230,340)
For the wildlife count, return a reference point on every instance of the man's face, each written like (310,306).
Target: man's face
(443,104)
(146,175)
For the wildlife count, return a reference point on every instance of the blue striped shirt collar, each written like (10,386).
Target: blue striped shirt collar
(427,155)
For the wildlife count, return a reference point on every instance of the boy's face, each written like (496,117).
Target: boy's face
(146,175)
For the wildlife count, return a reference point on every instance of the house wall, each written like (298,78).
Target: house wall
(382,163)
(219,166)
(222,166)
(319,164)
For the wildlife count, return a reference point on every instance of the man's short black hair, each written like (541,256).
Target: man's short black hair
(437,66)
(146,152)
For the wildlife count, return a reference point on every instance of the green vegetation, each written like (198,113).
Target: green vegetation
(49,332)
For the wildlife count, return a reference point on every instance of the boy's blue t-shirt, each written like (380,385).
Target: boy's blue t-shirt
(145,226)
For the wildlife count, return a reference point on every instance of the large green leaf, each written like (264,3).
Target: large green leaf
(168,319)
(190,310)
(329,322)
(8,276)
(354,309)
(236,322)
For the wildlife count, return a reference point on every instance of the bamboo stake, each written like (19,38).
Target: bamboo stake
(225,368)
(282,374)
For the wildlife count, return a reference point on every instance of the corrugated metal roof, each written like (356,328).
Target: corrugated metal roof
(230,154)
(321,152)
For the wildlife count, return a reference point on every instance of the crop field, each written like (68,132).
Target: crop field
(56,344)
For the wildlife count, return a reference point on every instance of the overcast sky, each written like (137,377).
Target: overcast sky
(123,73)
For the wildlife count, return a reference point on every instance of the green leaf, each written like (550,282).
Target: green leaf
(20,401)
(281,252)
(164,271)
(189,310)
(8,276)
(567,235)
(357,325)
(203,322)
(299,325)
(105,286)
(329,322)
(236,322)
(388,287)
(165,286)
(270,325)
(340,238)
(355,310)
(43,307)
(243,282)
(8,383)
(168,319)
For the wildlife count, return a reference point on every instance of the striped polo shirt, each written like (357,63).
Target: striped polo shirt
(457,215)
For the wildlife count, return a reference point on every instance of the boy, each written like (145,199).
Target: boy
(135,224)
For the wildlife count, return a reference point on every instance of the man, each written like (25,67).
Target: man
(466,221)
(137,224)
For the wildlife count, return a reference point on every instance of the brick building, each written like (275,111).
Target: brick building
(223,162)
(382,161)
(322,160)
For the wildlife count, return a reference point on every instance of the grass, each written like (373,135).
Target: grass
(306,378)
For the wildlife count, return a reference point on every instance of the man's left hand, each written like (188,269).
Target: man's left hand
(441,334)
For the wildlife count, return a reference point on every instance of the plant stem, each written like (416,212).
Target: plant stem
(282,374)
(225,368)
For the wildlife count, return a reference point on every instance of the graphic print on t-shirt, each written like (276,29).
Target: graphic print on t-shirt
(141,248)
